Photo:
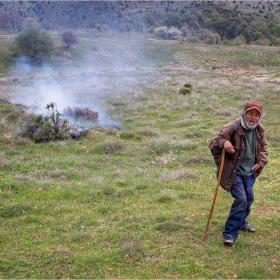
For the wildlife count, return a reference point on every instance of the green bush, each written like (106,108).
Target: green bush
(188,85)
(33,43)
(194,40)
(50,127)
(184,90)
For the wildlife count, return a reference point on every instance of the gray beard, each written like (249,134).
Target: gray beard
(248,126)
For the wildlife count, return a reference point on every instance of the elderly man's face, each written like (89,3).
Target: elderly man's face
(252,117)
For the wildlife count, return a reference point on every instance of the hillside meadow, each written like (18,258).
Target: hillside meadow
(131,199)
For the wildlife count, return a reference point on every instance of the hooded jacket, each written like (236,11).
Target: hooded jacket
(235,134)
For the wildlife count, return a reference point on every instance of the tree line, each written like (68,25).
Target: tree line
(204,20)
(229,23)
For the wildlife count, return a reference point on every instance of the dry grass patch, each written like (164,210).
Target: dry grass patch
(177,175)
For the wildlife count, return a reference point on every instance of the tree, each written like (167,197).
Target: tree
(150,20)
(161,32)
(138,26)
(33,43)
(173,19)
(9,19)
(69,38)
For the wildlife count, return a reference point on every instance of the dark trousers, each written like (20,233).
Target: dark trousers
(242,192)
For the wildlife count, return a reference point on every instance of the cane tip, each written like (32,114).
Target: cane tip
(204,237)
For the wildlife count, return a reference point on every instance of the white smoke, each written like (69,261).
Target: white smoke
(36,87)
(96,81)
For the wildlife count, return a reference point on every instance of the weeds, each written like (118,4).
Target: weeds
(169,227)
(14,209)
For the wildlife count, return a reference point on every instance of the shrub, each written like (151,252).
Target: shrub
(213,39)
(50,127)
(165,33)
(184,90)
(33,43)
(187,85)
(193,39)
(240,40)
(68,38)
(78,113)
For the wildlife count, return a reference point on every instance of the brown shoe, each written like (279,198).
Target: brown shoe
(248,228)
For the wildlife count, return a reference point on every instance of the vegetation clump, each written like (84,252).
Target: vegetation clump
(169,34)
(186,89)
(78,112)
(188,85)
(127,135)
(169,226)
(33,43)
(50,127)
(109,146)
(68,38)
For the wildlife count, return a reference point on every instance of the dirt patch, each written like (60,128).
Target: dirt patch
(202,49)
(228,70)
(237,72)
(266,78)
(122,53)
(103,53)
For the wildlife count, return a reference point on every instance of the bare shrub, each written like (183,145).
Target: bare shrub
(78,112)
(69,38)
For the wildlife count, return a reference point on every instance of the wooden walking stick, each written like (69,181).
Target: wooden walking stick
(215,194)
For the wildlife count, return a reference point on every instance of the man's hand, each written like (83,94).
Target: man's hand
(256,167)
(228,147)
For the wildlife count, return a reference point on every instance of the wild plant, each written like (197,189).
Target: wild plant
(50,127)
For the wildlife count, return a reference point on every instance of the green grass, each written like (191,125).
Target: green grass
(5,55)
(133,203)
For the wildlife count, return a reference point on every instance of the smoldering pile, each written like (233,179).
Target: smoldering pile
(77,112)
(76,129)
(74,124)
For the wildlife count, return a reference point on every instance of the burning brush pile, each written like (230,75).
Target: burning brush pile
(77,112)
(53,126)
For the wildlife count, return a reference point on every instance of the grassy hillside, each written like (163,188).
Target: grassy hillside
(133,202)
(56,15)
